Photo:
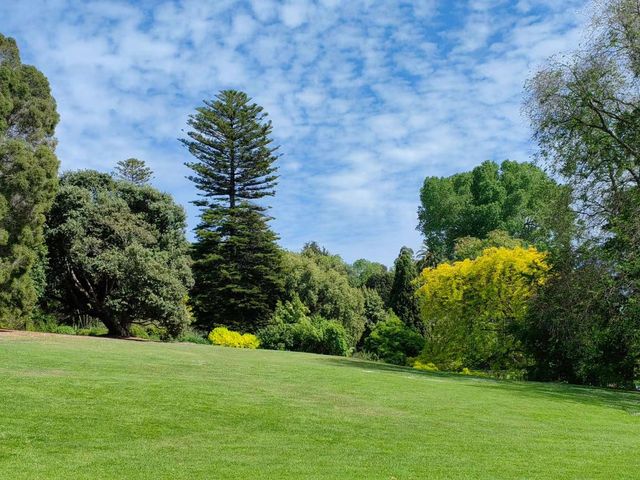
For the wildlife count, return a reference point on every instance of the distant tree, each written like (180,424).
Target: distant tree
(323,286)
(134,171)
(374,312)
(28,180)
(117,252)
(237,262)
(381,282)
(472,309)
(472,247)
(518,198)
(402,299)
(361,270)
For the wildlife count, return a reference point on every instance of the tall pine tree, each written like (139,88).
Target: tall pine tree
(237,266)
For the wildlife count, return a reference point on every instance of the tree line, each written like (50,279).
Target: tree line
(528,270)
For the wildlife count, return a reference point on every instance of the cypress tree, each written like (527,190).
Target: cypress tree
(237,263)
(28,181)
(402,299)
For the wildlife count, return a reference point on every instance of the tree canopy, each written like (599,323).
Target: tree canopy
(117,252)
(518,198)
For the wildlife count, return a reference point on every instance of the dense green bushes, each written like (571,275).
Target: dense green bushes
(293,329)
(393,342)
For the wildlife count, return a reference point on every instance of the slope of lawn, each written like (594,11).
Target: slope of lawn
(91,408)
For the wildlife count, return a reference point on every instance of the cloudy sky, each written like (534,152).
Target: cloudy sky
(367,97)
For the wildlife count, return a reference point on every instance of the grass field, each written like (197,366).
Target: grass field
(91,408)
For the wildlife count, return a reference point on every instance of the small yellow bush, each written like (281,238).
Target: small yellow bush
(427,367)
(228,338)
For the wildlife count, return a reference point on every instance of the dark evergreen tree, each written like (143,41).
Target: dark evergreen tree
(28,181)
(237,261)
(133,170)
(402,299)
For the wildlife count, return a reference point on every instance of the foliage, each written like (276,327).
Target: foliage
(228,338)
(133,170)
(237,262)
(362,270)
(402,298)
(190,335)
(576,331)
(393,342)
(428,367)
(321,282)
(584,111)
(374,312)
(381,283)
(292,329)
(28,173)
(472,308)
(518,198)
(472,247)
(117,253)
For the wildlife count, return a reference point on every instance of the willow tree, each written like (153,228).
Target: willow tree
(237,261)
(28,179)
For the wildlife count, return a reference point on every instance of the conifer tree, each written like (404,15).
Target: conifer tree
(403,299)
(237,265)
(28,180)
(133,170)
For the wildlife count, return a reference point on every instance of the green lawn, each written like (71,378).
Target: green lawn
(76,408)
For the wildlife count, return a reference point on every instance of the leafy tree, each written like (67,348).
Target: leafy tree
(117,252)
(374,312)
(584,111)
(472,309)
(237,262)
(323,287)
(362,270)
(28,173)
(518,198)
(381,283)
(402,299)
(472,247)
(392,341)
(133,170)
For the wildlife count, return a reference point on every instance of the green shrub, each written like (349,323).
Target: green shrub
(190,335)
(228,338)
(139,332)
(65,330)
(92,331)
(428,367)
(292,329)
(393,342)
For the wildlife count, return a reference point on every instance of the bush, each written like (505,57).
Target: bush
(65,330)
(139,332)
(427,367)
(291,329)
(190,335)
(92,331)
(228,338)
(393,342)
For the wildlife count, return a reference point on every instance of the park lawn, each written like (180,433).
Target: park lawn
(93,408)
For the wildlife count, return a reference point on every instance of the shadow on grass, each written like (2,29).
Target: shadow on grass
(627,401)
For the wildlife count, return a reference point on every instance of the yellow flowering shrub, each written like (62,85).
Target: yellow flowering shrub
(471,308)
(427,367)
(228,338)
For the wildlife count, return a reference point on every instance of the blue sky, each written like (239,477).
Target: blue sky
(367,98)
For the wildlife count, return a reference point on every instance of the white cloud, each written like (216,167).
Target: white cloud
(367,98)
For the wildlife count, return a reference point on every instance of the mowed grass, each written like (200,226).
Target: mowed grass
(90,408)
